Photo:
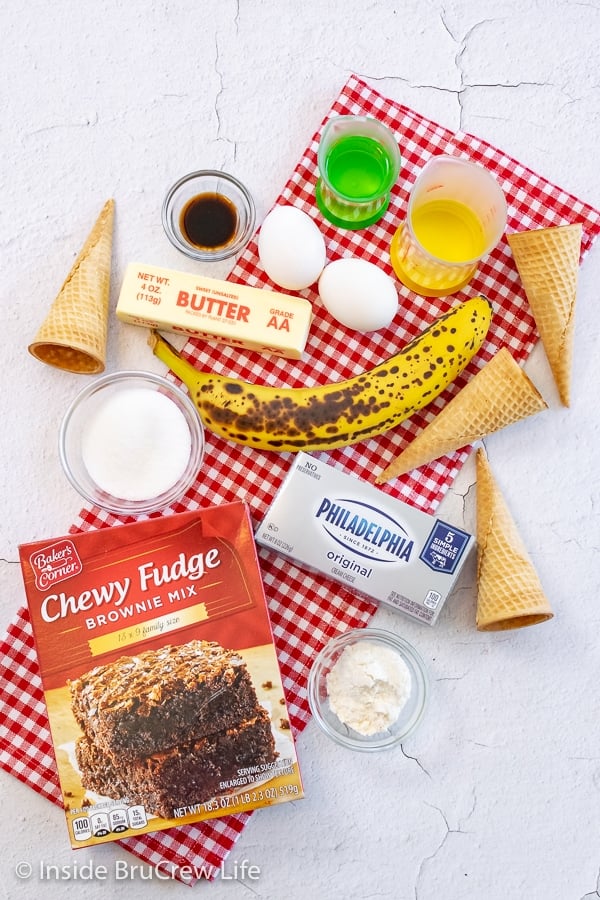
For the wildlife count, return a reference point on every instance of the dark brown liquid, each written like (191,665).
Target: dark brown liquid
(209,221)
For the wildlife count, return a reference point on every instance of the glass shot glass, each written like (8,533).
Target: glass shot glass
(359,162)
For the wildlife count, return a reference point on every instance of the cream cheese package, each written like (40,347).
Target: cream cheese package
(215,310)
(380,547)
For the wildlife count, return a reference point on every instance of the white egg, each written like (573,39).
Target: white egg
(291,248)
(358,294)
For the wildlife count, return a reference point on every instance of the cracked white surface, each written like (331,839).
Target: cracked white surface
(497,795)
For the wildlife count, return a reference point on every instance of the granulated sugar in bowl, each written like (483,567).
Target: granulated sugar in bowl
(368,689)
(131,442)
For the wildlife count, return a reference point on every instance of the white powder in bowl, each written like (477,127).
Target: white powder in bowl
(137,444)
(368,687)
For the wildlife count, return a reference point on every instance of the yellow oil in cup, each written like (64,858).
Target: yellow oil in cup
(456,216)
(449,230)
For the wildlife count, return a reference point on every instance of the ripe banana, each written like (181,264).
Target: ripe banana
(337,414)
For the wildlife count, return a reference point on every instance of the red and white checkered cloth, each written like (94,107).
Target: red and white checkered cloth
(307,610)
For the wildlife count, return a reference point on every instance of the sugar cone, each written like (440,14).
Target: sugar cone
(548,263)
(73,337)
(498,395)
(509,593)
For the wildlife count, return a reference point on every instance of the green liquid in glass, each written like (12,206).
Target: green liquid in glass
(358,167)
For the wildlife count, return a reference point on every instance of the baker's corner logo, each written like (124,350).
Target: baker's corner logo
(55,563)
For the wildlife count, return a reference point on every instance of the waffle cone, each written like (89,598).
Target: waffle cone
(548,264)
(509,593)
(73,336)
(498,395)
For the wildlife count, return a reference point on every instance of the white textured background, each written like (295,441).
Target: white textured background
(497,796)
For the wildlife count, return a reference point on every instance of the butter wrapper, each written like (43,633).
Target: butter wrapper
(380,547)
(215,310)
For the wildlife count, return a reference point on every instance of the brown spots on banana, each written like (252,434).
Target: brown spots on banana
(336,415)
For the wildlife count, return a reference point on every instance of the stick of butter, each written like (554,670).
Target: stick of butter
(223,311)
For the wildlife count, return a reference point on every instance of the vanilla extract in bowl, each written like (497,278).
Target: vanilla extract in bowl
(208,215)
(209,221)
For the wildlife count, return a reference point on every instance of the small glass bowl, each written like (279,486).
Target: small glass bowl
(410,715)
(208,181)
(82,412)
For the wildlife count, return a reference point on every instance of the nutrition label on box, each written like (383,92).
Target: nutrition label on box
(101,823)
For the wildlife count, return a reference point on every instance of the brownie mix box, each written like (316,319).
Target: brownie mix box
(159,672)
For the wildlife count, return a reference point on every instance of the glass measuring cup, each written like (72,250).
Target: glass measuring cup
(456,216)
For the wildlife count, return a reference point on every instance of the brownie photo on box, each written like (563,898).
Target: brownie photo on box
(188,774)
(167,727)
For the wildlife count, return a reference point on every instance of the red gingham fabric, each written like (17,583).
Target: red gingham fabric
(307,610)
